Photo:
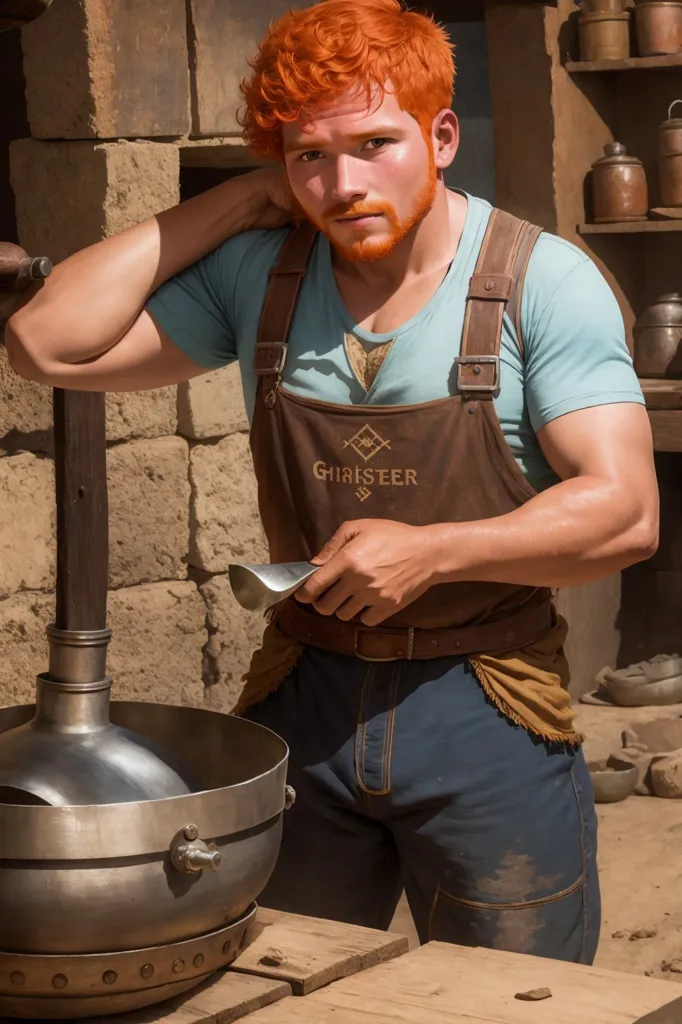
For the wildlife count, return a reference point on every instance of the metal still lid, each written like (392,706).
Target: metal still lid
(666,311)
(615,153)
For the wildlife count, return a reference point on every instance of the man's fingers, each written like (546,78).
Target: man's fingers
(350,608)
(344,533)
(319,582)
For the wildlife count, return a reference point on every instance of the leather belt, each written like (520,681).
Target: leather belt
(384,643)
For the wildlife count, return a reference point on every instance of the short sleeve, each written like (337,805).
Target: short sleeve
(200,308)
(575,352)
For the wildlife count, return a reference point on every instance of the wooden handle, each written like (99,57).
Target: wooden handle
(82,510)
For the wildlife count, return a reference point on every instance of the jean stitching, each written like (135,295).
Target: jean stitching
(359,734)
(556,897)
(583,852)
(390,728)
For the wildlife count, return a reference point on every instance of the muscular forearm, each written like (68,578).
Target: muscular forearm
(91,299)
(578,531)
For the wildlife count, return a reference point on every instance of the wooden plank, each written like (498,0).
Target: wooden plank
(634,227)
(454,985)
(666,425)
(672,60)
(309,953)
(662,394)
(221,999)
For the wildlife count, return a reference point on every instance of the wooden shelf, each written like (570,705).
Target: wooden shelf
(662,394)
(666,426)
(673,60)
(634,227)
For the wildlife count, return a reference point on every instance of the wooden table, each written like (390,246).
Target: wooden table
(301,970)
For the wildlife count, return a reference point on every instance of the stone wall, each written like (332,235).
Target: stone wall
(111,126)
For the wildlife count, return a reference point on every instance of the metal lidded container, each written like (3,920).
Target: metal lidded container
(670,158)
(604,35)
(658,338)
(619,186)
(659,27)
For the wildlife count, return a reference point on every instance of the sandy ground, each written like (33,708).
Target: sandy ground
(640,862)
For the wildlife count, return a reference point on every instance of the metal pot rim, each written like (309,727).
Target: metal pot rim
(104,831)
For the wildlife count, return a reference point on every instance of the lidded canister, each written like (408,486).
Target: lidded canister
(657,337)
(670,158)
(604,35)
(619,187)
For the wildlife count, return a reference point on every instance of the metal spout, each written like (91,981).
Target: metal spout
(77,655)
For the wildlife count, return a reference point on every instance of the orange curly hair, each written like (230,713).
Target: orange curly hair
(311,57)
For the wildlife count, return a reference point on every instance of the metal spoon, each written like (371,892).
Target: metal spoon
(258,587)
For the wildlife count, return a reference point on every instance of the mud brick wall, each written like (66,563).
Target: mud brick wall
(114,91)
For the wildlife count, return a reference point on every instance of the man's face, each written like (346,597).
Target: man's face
(366,178)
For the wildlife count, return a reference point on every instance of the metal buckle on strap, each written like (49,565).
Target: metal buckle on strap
(406,654)
(275,370)
(472,361)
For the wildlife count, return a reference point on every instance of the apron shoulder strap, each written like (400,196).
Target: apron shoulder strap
(284,285)
(496,285)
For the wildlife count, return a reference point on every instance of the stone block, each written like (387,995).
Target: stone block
(159,632)
(23,645)
(234,634)
(72,194)
(212,405)
(107,69)
(141,414)
(25,411)
(27,524)
(224,35)
(148,511)
(224,521)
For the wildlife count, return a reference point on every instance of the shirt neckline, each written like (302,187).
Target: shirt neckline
(469,229)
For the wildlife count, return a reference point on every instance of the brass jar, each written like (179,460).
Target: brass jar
(604,35)
(670,159)
(658,339)
(619,186)
(658,27)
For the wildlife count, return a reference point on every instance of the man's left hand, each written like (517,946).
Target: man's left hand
(371,566)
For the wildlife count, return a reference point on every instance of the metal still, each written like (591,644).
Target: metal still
(657,339)
(134,837)
(670,158)
(619,186)
(658,27)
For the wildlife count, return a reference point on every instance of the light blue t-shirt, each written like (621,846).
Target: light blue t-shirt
(575,355)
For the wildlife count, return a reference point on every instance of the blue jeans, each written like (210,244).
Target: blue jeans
(406,776)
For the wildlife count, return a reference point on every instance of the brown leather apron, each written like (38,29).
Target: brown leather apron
(320,464)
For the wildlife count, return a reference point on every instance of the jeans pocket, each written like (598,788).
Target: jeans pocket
(553,926)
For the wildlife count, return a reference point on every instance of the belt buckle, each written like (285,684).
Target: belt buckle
(363,657)
(467,361)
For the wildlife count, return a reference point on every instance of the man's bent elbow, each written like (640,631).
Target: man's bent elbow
(641,541)
(22,357)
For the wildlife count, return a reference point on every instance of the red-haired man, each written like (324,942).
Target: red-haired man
(445,416)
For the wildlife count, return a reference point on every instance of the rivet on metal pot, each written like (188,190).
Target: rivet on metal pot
(619,186)
(227,946)
(109,977)
(178,966)
(60,981)
(17,977)
(146,971)
(198,960)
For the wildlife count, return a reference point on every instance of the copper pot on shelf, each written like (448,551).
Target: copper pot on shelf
(658,26)
(619,186)
(670,159)
(657,339)
(604,34)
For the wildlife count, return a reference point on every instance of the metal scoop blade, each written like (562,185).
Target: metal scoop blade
(258,587)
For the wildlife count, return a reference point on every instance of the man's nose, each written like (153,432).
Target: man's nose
(347,186)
